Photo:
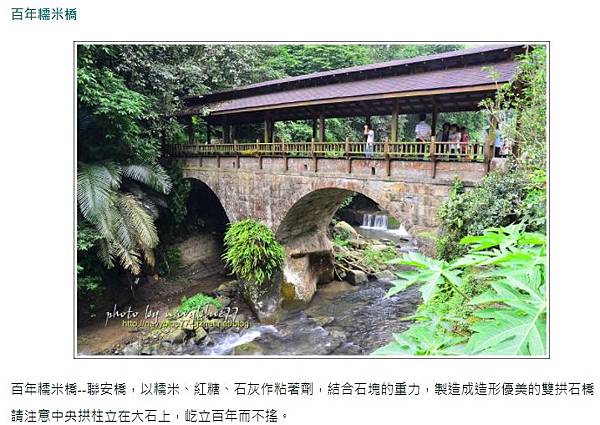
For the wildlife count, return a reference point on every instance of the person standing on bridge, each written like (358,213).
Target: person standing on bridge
(370,143)
(422,133)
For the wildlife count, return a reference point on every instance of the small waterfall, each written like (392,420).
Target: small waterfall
(375,221)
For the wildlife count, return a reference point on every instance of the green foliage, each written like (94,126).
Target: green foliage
(506,306)
(347,200)
(89,279)
(178,197)
(197,303)
(533,208)
(252,251)
(422,340)
(376,259)
(516,264)
(124,219)
(499,200)
(520,108)
(341,239)
(299,59)
(170,260)
(387,52)
(293,131)
(430,274)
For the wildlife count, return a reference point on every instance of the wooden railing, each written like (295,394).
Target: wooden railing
(409,151)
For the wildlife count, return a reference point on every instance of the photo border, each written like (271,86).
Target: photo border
(76,356)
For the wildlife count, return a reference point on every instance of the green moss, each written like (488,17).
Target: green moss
(288,292)
(393,223)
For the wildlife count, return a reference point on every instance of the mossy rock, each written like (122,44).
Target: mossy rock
(288,291)
(289,299)
(248,349)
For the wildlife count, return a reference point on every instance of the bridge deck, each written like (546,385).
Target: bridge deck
(411,151)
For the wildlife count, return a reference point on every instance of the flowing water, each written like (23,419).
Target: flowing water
(340,320)
(375,221)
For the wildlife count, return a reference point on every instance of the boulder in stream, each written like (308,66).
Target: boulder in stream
(133,349)
(385,276)
(356,277)
(345,230)
(248,349)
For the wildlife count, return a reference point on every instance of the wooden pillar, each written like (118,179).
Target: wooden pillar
(226,133)
(236,132)
(237,153)
(208,133)
(434,116)
(321,129)
(432,156)
(285,157)
(395,123)
(314,128)
(386,150)
(260,162)
(348,157)
(272,131)
(190,129)
(267,131)
(313,154)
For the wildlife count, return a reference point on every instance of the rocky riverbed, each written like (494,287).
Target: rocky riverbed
(345,317)
(342,319)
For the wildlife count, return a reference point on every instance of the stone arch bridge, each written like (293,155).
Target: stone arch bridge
(297,197)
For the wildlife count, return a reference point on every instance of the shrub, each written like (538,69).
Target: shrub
(498,201)
(252,251)
(197,302)
(89,280)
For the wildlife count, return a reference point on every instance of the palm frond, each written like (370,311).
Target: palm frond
(154,176)
(140,219)
(105,255)
(113,174)
(93,189)
(129,258)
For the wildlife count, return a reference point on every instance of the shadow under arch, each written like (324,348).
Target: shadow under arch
(204,208)
(199,237)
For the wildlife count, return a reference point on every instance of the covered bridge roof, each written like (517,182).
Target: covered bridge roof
(454,81)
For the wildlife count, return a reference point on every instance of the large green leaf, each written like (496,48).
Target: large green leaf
(427,272)
(422,340)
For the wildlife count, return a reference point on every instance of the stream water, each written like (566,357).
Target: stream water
(340,320)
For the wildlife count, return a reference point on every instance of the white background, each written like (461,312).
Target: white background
(36,177)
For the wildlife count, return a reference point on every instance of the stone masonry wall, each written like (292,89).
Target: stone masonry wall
(299,203)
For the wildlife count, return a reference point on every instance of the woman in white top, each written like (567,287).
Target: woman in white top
(454,139)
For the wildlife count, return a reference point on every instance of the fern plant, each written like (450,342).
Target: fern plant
(252,251)
(122,213)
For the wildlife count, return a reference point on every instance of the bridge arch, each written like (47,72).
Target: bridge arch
(206,206)
(303,232)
